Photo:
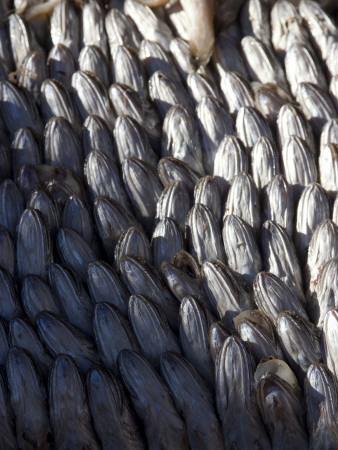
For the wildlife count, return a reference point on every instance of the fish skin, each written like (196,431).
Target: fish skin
(163,426)
(152,331)
(69,412)
(62,338)
(31,416)
(192,396)
(235,398)
(112,417)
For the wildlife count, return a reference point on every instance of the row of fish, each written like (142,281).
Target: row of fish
(168,224)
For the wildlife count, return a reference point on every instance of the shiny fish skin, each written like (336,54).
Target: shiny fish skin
(31,416)
(36,296)
(162,425)
(62,338)
(152,331)
(321,399)
(180,138)
(193,400)
(69,416)
(112,417)
(272,296)
(235,399)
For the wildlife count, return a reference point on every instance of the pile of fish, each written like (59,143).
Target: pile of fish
(168,224)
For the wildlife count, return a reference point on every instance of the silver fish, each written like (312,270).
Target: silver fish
(31,416)
(273,296)
(69,415)
(163,426)
(235,398)
(194,401)
(62,338)
(151,329)
(113,419)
